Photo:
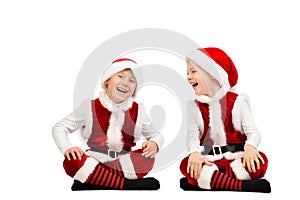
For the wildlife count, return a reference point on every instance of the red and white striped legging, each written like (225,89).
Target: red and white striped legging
(109,174)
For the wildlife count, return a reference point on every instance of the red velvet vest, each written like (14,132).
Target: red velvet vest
(101,118)
(233,136)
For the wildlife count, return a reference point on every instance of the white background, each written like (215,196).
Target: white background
(43,45)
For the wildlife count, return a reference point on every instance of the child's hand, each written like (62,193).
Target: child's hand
(195,163)
(149,149)
(74,152)
(252,158)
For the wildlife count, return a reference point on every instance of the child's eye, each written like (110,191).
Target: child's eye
(194,71)
(120,76)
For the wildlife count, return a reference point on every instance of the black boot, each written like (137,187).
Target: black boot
(137,184)
(148,183)
(259,185)
(77,185)
(188,187)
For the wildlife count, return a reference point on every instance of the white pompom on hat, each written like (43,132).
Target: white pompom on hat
(117,66)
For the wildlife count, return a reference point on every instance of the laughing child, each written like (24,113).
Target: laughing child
(222,139)
(111,125)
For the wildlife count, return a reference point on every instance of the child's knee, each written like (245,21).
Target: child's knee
(262,168)
(72,166)
(264,157)
(183,166)
(137,156)
(141,165)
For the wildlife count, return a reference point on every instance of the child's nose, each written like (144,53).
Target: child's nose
(125,82)
(188,77)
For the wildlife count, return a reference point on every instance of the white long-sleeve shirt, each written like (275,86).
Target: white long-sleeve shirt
(82,119)
(241,118)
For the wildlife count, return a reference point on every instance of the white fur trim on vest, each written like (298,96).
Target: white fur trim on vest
(116,121)
(236,111)
(127,167)
(217,131)
(203,98)
(83,173)
(240,172)
(109,105)
(114,134)
(206,176)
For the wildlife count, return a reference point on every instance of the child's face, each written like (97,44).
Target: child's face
(121,86)
(197,78)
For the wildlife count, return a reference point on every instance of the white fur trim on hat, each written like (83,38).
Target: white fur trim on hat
(209,65)
(117,66)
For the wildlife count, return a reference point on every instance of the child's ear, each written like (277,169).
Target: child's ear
(106,83)
(133,95)
(211,76)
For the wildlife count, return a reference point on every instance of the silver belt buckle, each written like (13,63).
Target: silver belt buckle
(112,154)
(214,147)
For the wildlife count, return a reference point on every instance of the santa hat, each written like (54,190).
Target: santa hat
(117,66)
(217,63)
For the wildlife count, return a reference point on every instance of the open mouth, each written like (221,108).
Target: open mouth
(121,90)
(194,84)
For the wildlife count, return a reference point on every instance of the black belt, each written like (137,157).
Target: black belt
(218,150)
(110,153)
